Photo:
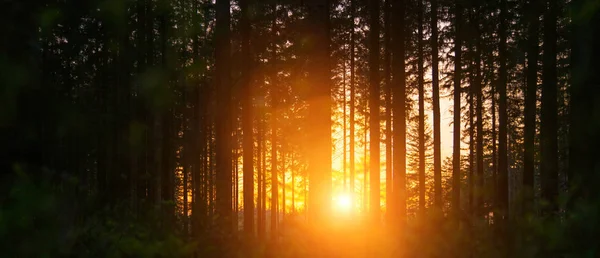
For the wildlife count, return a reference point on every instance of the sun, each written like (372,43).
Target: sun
(343,202)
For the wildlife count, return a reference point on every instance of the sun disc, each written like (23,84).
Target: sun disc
(344,202)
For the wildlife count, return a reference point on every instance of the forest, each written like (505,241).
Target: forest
(299,128)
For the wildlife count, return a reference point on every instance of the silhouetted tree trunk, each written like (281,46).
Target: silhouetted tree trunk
(388,110)
(399,103)
(471,177)
(530,104)
(247,118)
(260,179)
(456,175)
(479,113)
(420,78)
(437,158)
(223,122)
(549,116)
(352,100)
(283,170)
(374,107)
(274,126)
(365,167)
(502,191)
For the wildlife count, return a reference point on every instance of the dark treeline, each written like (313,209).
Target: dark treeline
(214,128)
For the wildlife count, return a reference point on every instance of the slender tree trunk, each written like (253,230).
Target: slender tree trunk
(292,170)
(502,194)
(247,118)
(399,106)
(374,96)
(344,133)
(494,137)
(471,181)
(223,124)
(437,155)
(479,114)
(352,102)
(530,105)
(263,143)
(549,123)
(283,170)
(421,90)
(274,126)
(456,175)
(365,166)
(260,179)
(389,199)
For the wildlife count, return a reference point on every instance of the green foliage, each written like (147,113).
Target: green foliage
(39,220)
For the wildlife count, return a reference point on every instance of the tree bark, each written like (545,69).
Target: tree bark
(530,105)
(549,116)
(223,123)
(437,158)
(247,118)
(374,96)
(456,175)
(399,106)
(420,76)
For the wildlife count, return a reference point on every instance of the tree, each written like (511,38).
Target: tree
(223,125)
(530,101)
(374,97)
(352,100)
(437,159)
(549,116)
(274,126)
(479,113)
(456,121)
(399,112)
(388,111)
(247,118)
(502,191)
(420,78)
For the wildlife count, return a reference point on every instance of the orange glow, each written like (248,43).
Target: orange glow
(343,202)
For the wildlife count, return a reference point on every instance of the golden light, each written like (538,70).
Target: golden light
(343,202)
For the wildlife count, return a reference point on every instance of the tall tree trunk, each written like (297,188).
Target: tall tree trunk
(549,123)
(365,167)
(502,191)
(471,177)
(292,170)
(420,76)
(283,170)
(223,123)
(437,158)
(344,133)
(260,179)
(399,106)
(263,143)
(389,199)
(530,105)
(319,109)
(247,118)
(494,183)
(479,113)
(352,101)
(274,126)
(456,175)
(374,107)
